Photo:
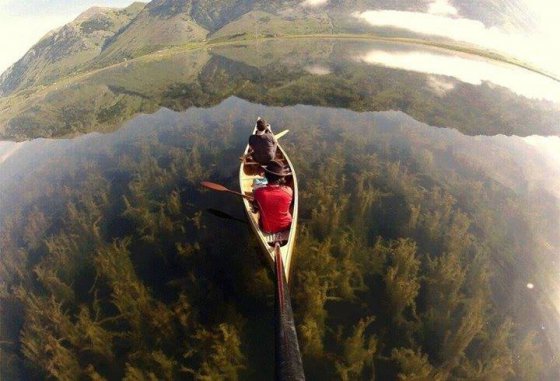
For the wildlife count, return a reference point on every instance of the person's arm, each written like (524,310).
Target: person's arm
(245,156)
(249,151)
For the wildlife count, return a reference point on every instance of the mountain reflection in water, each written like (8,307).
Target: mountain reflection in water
(437,88)
(416,247)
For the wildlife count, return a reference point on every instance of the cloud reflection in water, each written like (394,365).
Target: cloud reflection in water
(468,69)
(318,70)
(442,21)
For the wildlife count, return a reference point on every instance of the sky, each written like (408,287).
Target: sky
(24,22)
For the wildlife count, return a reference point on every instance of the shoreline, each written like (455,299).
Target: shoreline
(479,52)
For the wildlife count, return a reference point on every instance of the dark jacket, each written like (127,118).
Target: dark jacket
(264,147)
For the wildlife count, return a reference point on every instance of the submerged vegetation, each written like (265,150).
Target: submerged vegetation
(411,260)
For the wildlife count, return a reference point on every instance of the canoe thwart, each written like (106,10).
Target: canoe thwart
(282,237)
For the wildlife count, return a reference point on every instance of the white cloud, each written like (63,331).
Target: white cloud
(469,69)
(546,13)
(314,3)
(440,85)
(458,29)
(318,70)
(442,7)
(540,50)
(5,3)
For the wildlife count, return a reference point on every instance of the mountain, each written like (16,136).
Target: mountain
(162,23)
(166,23)
(67,49)
(102,36)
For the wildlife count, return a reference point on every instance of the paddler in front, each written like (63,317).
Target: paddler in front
(263,144)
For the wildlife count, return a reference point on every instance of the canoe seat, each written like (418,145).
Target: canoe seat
(282,237)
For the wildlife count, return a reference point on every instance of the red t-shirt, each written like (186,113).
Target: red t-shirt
(274,206)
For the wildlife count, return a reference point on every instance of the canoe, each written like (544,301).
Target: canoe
(248,172)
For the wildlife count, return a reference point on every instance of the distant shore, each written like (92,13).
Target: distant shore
(452,46)
(38,90)
(455,46)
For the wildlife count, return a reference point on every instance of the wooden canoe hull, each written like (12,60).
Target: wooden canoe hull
(247,174)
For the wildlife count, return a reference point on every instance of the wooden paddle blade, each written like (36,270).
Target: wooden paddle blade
(214,186)
(280,134)
(221,188)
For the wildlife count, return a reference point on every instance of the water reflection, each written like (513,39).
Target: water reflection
(313,3)
(469,69)
(438,88)
(489,195)
(7,149)
(318,70)
(422,223)
(500,34)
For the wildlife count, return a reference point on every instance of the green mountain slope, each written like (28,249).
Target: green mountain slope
(68,48)
(265,24)
(102,37)
(161,24)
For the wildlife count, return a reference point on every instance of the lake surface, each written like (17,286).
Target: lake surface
(430,209)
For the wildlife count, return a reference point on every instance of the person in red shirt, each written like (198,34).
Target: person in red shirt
(274,199)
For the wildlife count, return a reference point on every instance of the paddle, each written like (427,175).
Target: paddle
(288,357)
(221,188)
(224,215)
(280,134)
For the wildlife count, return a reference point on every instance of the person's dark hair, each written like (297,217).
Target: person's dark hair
(274,179)
(275,172)
(261,124)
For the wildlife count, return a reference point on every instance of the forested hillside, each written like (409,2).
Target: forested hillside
(406,266)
